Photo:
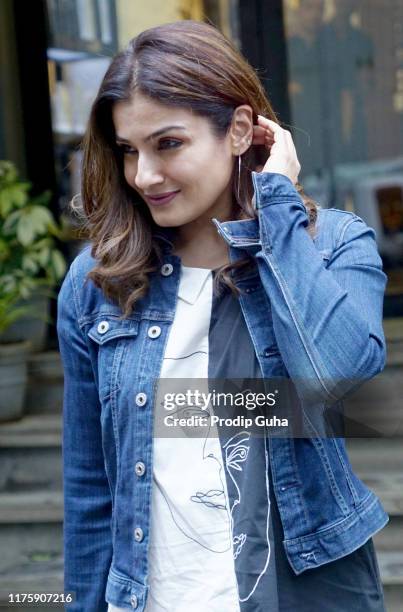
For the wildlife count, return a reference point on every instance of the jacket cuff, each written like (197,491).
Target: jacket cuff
(273,188)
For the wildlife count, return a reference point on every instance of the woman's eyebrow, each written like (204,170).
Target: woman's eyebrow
(155,134)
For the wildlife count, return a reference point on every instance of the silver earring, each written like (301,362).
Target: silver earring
(239,173)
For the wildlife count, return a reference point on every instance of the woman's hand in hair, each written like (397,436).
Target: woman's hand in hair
(282,154)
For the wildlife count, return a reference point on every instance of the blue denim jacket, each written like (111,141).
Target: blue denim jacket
(314,312)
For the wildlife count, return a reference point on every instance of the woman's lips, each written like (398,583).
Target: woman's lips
(163,198)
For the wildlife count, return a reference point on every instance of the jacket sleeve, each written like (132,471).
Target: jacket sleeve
(327,319)
(87,498)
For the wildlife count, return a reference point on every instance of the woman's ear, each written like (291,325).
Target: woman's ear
(241,129)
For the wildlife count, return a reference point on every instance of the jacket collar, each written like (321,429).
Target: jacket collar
(244,229)
(240,233)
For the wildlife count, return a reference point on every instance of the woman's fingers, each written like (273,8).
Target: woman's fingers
(282,154)
(260,135)
(268,124)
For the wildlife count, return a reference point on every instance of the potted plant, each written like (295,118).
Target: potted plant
(30,267)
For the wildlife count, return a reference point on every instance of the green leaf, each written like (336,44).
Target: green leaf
(9,284)
(13,196)
(33,222)
(42,243)
(25,231)
(8,172)
(44,257)
(10,224)
(29,264)
(59,264)
(41,217)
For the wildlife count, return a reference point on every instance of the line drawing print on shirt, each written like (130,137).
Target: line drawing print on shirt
(185,356)
(214,498)
(234,453)
(207,498)
(236,450)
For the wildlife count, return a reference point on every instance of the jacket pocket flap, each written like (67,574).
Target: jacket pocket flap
(108,328)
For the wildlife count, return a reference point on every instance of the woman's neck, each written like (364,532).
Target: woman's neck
(199,244)
(203,248)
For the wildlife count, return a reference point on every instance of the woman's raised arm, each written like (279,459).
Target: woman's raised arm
(327,319)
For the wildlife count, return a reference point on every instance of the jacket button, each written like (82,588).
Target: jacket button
(138,534)
(140,468)
(167,269)
(141,399)
(154,331)
(134,601)
(103,327)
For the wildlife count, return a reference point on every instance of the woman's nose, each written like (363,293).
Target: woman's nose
(147,174)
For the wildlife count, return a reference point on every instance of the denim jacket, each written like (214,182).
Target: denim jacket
(313,308)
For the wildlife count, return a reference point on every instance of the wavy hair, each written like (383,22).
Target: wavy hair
(188,64)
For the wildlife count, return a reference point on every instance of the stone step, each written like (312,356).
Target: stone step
(389,488)
(376,407)
(390,538)
(30,469)
(393,328)
(31,454)
(32,431)
(31,529)
(391,567)
(33,507)
(22,543)
(377,455)
(40,576)
(393,598)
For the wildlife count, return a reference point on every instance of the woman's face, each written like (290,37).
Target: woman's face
(174,161)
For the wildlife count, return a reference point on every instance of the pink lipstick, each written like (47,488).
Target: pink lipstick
(162,198)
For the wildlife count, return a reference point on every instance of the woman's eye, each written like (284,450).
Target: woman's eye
(169,143)
(127,149)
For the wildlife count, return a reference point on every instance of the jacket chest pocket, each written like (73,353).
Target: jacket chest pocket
(112,337)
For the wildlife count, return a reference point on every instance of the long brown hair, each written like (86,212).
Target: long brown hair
(188,64)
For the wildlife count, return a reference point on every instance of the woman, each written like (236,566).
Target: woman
(201,267)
